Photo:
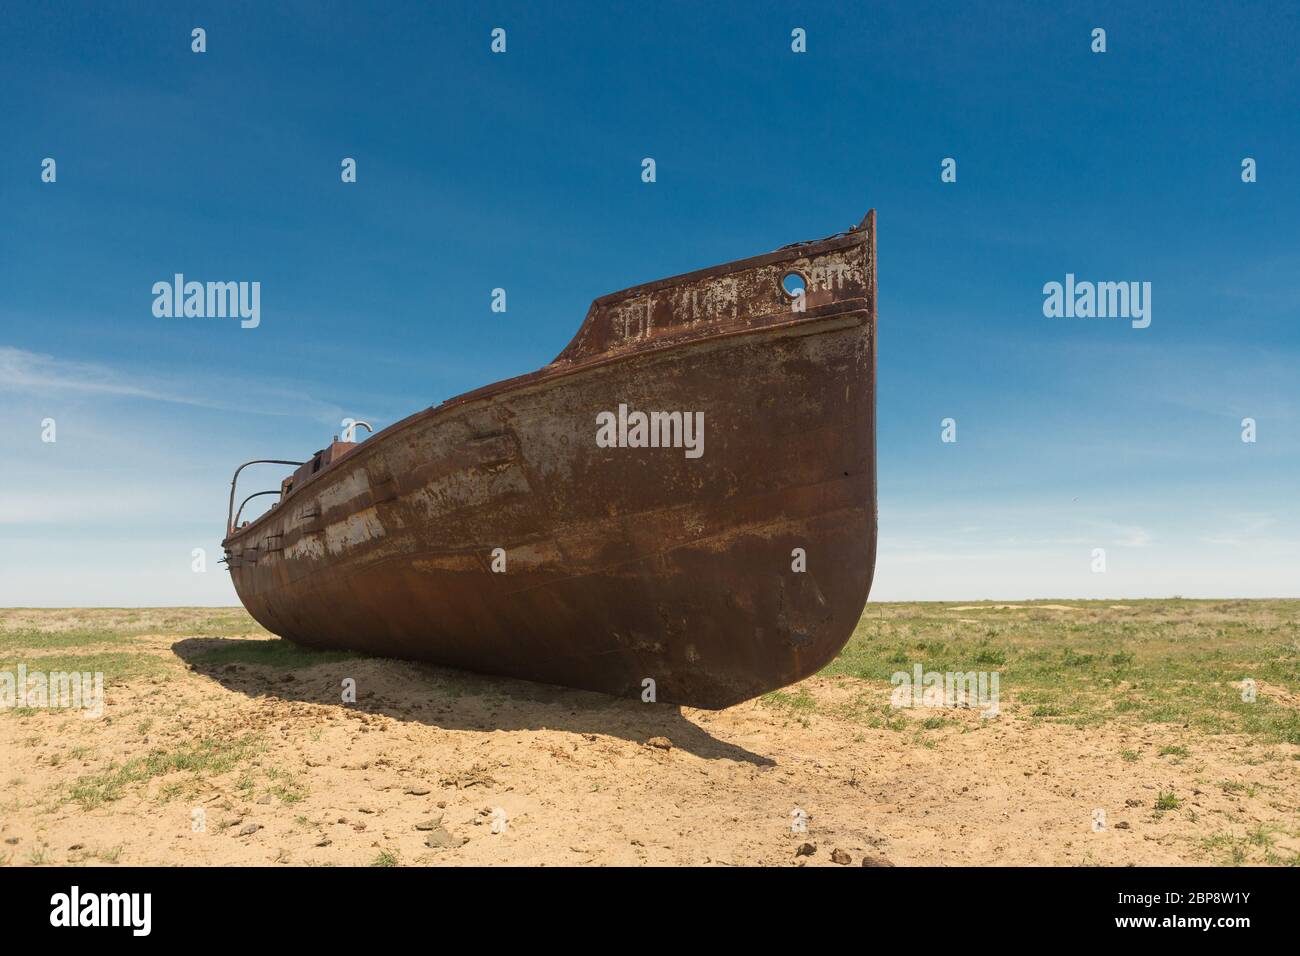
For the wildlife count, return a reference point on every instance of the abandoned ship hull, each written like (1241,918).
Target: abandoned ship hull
(501,533)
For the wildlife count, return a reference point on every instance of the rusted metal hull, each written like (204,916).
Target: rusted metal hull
(615,564)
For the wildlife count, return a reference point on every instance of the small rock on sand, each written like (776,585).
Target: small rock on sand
(875,861)
(663,743)
(439,838)
(805,849)
(841,857)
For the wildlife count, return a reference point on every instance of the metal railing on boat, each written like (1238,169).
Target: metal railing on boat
(232,517)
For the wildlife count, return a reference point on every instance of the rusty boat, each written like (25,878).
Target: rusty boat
(680,507)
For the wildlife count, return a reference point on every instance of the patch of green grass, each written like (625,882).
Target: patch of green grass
(385,858)
(1178,751)
(1233,786)
(285,786)
(181,790)
(209,755)
(801,702)
(1161,661)
(1262,835)
(1167,801)
(207,622)
(24,630)
(114,665)
(1232,850)
(277,653)
(28,639)
(865,710)
(1128,756)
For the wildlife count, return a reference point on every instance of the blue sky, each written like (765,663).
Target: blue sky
(522,171)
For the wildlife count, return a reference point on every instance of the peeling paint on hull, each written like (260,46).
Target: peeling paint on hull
(622,564)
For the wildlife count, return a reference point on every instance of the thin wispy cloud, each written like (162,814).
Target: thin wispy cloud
(36,374)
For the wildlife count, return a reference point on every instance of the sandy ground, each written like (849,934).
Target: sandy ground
(436,767)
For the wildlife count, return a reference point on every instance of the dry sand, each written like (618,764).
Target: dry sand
(428,763)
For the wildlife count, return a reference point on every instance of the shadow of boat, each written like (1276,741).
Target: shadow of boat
(441,697)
